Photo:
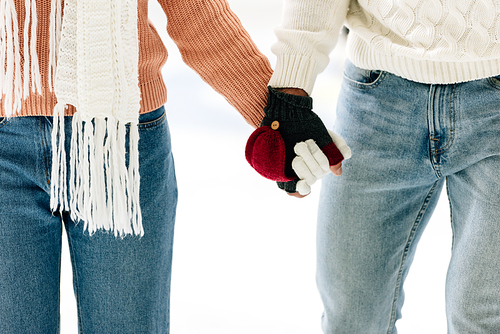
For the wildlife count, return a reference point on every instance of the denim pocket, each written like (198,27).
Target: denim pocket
(152,119)
(3,121)
(494,81)
(362,78)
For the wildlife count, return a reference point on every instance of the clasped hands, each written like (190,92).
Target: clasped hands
(292,146)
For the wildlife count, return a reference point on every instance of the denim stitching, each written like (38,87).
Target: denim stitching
(75,276)
(436,151)
(451,215)
(450,141)
(153,123)
(3,121)
(370,85)
(60,259)
(418,220)
(46,158)
(431,128)
(494,82)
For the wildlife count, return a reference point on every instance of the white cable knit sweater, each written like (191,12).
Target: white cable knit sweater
(428,41)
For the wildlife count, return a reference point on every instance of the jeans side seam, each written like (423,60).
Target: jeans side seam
(46,158)
(75,276)
(451,214)
(409,242)
(60,272)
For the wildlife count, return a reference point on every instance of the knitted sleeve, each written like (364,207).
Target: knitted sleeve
(213,42)
(307,35)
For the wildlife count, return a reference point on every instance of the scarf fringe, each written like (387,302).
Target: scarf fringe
(58,185)
(103,190)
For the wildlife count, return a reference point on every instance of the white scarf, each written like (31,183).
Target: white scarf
(94,62)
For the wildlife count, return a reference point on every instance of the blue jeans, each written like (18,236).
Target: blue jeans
(408,140)
(121,285)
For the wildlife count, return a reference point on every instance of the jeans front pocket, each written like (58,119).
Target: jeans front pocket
(154,132)
(362,78)
(494,81)
(152,119)
(3,121)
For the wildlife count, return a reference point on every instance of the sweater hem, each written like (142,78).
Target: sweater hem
(153,96)
(424,71)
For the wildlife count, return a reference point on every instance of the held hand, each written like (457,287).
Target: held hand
(311,164)
(305,189)
(291,129)
(293,91)
(337,169)
(303,186)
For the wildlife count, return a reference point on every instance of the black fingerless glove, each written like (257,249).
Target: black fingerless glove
(288,120)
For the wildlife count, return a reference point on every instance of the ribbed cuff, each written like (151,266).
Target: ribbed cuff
(287,107)
(294,71)
(153,95)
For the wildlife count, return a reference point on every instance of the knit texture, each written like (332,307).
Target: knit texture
(428,41)
(97,72)
(92,66)
(289,120)
(210,38)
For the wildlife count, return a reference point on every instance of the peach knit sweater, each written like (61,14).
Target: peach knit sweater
(209,36)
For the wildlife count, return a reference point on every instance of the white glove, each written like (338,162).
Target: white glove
(311,164)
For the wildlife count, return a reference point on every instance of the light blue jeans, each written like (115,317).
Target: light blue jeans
(408,140)
(121,285)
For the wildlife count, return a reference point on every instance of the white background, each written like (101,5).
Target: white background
(244,254)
